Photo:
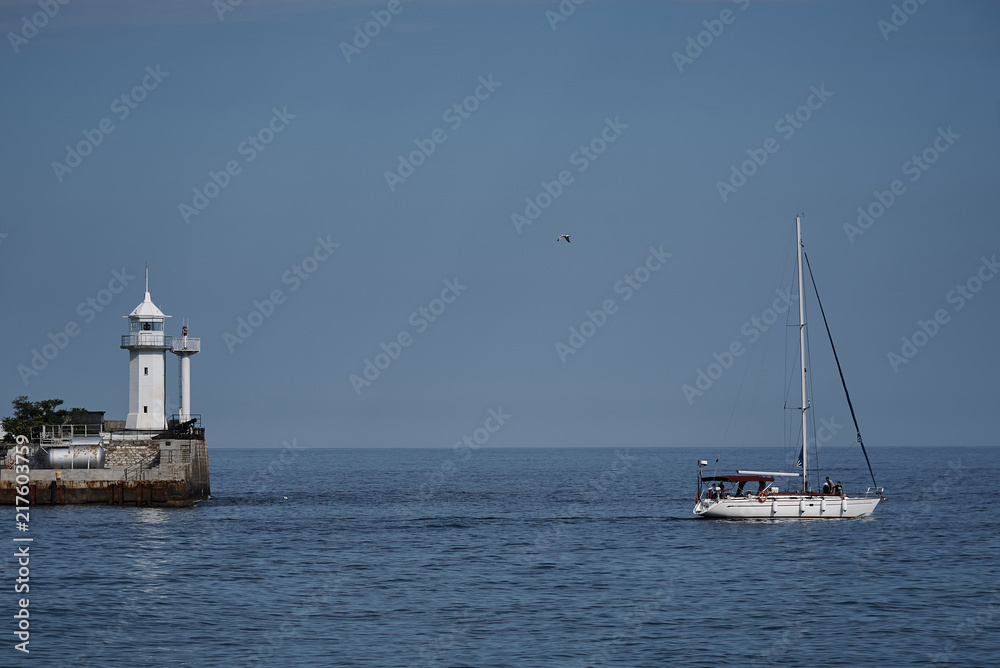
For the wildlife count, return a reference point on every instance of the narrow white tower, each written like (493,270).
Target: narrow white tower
(184,347)
(147,347)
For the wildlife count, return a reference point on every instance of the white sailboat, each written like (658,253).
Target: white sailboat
(771,501)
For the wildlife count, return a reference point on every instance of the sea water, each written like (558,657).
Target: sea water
(515,557)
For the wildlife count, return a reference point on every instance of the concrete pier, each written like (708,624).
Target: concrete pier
(161,472)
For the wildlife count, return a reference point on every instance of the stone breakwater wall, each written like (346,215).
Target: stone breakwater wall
(129,453)
(179,477)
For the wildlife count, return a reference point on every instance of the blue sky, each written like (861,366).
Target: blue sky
(270,81)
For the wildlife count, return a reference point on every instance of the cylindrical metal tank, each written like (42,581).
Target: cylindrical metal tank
(82,453)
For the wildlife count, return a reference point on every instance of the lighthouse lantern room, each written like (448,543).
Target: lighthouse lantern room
(147,348)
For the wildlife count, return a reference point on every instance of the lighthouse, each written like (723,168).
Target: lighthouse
(147,348)
(184,347)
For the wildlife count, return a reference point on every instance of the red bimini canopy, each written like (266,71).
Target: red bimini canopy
(740,478)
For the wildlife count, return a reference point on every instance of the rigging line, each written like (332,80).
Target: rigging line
(792,423)
(842,455)
(791,449)
(788,324)
(792,329)
(839,369)
(792,375)
(811,395)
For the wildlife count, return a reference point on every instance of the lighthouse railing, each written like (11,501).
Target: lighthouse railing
(189,344)
(153,340)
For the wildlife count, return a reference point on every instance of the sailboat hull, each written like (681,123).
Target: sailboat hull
(786,507)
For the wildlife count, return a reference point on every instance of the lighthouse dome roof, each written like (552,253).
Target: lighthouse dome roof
(147,309)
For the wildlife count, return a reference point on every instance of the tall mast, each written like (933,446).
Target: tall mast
(802,355)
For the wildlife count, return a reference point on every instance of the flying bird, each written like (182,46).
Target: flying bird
(563,236)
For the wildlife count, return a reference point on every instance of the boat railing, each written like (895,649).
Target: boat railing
(770,492)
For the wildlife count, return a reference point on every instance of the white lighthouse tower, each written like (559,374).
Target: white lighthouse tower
(184,347)
(147,347)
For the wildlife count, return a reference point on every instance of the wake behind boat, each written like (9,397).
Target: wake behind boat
(770,500)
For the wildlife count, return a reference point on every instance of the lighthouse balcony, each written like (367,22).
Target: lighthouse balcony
(187,344)
(150,340)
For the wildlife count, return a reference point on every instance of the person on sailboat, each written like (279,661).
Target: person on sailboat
(837,489)
(827,486)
